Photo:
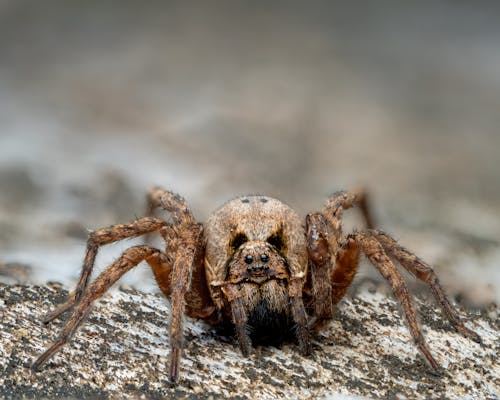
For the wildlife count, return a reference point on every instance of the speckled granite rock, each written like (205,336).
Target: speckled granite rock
(122,352)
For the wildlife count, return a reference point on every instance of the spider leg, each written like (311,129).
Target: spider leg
(377,256)
(344,200)
(325,235)
(239,317)
(129,259)
(189,251)
(168,201)
(427,275)
(299,316)
(189,243)
(99,238)
(171,202)
(329,284)
(333,262)
(378,247)
(345,250)
(345,268)
(339,281)
(320,269)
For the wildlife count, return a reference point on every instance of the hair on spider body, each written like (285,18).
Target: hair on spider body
(253,265)
(269,327)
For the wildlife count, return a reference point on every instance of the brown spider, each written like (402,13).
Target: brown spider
(255,266)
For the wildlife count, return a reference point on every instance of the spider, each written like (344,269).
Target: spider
(254,266)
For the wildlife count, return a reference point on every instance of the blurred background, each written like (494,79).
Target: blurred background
(100,100)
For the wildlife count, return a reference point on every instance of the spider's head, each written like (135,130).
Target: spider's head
(257,262)
(259,274)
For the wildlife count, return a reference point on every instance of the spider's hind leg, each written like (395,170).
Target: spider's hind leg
(426,274)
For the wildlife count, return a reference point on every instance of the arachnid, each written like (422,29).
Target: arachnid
(256,266)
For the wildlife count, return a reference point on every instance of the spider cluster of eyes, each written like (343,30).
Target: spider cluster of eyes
(251,268)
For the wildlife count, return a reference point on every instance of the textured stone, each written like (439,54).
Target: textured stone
(122,352)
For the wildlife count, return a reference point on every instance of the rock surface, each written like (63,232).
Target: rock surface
(122,352)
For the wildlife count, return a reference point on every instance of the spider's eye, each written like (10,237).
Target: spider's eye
(248,259)
(238,240)
(264,257)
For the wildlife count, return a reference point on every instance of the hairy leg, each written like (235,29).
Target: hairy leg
(171,202)
(345,268)
(189,253)
(426,274)
(377,256)
(333,259)
(299,316)
(129,259)
(344,200)
(176,205)
(239,317)
(187,245)
(100,238)
(190,249)
(173,273)
(328,283)
(320,270)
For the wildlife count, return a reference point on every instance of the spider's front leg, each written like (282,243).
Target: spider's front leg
(188,239)
(319,269)
(331,268)
(333,259)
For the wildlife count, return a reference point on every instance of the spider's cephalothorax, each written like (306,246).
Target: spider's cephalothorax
(255,246)
(255,265)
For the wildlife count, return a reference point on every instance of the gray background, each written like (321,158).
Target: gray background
(101,100)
